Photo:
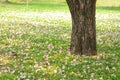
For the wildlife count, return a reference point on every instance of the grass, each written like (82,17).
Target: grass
(34,43)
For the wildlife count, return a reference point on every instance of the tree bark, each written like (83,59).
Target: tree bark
(83,37)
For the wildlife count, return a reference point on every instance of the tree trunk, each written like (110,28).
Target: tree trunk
(83,37)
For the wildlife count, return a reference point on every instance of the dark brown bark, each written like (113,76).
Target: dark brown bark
(83,38)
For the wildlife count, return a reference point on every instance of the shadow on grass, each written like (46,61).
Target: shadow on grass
(39,6)
(110,8)
(36,4)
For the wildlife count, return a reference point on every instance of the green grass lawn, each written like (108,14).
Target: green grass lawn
(34,42)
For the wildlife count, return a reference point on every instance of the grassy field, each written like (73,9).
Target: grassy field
(34,42)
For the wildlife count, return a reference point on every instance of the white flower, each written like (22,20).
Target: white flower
(22,75)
